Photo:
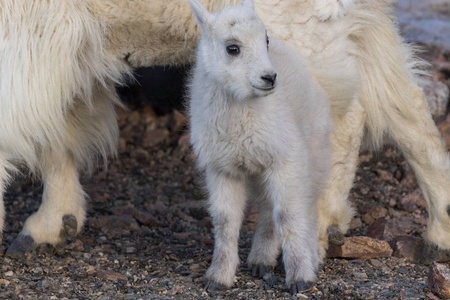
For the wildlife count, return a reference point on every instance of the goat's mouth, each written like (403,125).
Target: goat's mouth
(265,88)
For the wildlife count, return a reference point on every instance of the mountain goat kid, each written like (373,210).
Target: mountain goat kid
(260,131)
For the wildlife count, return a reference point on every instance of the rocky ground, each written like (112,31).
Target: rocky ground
(148,235)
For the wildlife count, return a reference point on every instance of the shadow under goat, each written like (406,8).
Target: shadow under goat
(162,87)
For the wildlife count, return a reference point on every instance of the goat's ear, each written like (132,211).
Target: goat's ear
(202,15)
(248,3)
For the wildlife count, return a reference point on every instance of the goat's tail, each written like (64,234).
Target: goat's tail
(388,70)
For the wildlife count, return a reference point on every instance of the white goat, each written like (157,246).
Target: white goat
(250,133)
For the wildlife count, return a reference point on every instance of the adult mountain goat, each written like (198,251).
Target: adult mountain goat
(258,119)
(60,59)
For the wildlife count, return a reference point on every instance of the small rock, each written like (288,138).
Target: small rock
(148,114)
(355,223)
(160,207)
(408,247)
(444,128)
(439,279)
(110,275)
(195,268)
(431,296)
(177,121)
(412,201)
(360,275)
(153,137)
(122,146)
(252,218)
(146,218)
(375,262)
(77,245)
(409,180)
(133,117)
(9,274)
(114,225)
(182,235)
(374,214)
(130,250)
(360,247)
(385,175)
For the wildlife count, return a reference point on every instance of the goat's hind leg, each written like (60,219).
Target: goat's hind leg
(265,245)
(295,215)
(62,211)
(335,210)
(422,145)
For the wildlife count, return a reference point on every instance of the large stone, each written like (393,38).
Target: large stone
(426,22)
(439,280)
(387,230)
(381,229)
(360,247)
(408,247)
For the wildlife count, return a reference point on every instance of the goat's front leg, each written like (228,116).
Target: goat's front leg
(227,197)
(62,211)
(295,213)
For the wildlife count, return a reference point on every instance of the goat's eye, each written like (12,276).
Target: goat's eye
(233,50)
(267,40)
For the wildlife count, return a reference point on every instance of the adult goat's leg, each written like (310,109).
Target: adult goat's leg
(62,211)
(335,211)
(422,145)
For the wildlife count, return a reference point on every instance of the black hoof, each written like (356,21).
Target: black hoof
(301,286)
(212,286)
(70,226)
(270,279)
(335,236)
(261,270)
(21,245)
(432,253)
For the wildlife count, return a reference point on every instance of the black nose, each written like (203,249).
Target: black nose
(269,78)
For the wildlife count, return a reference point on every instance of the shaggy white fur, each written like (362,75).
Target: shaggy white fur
(252,127)
(60,58)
